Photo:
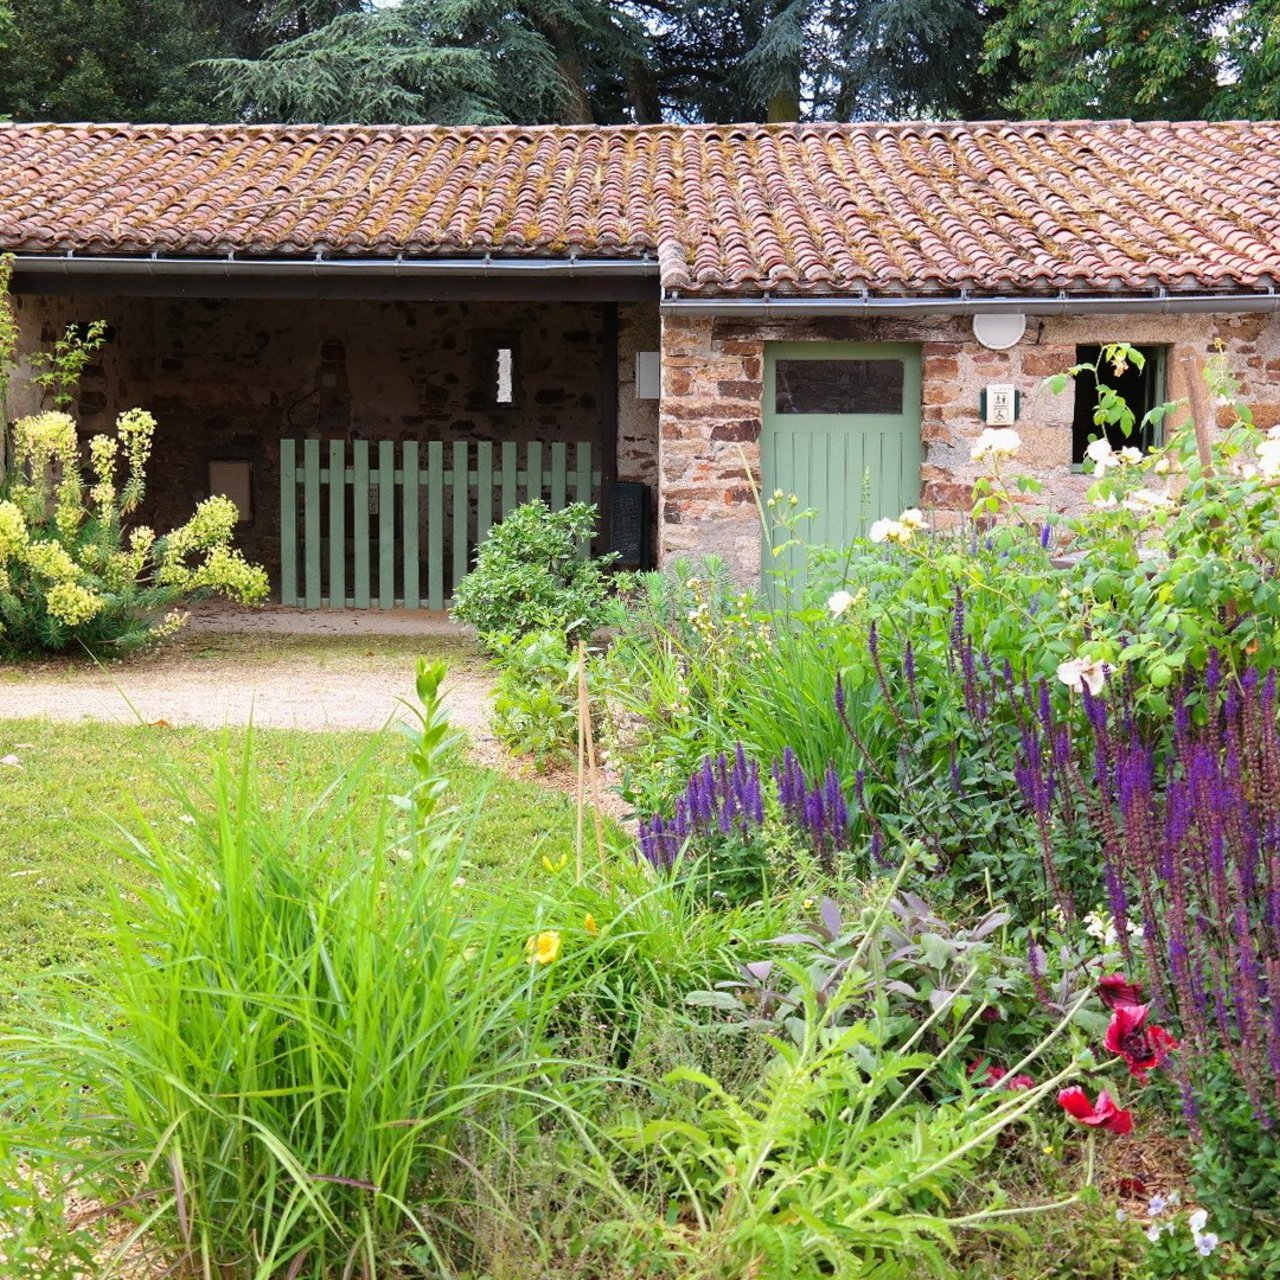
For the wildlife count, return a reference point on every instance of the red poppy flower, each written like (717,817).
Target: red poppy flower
(1142,1047)
(1117,991)
(994,1076)
(1104,1115)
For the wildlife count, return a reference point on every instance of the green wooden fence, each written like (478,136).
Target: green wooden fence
(395,524)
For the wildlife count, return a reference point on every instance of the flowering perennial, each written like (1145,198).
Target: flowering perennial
(1191,850)
(727,798)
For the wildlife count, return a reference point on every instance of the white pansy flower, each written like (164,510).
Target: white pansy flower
(1198,1220)
(838,602)
(1079,674)
(996,443)
(1206,1244)
(912,518)
(1100,453)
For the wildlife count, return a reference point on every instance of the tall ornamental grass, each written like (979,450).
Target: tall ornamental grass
(303,1020)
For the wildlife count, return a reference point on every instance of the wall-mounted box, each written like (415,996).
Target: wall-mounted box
(648,375)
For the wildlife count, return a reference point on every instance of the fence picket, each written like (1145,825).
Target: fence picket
(435,524)
(510,498)
(360,519)
(409,473)
(484,490)
(288,523)
(533,477)
(311,519)
(461,509)
(386,524)
(337,524)
(582,473)
(559,474)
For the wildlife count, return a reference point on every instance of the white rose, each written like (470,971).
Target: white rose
(912,518)
(1079,674)
(889,531)
(1100,453)
(838,602)
(1269,458)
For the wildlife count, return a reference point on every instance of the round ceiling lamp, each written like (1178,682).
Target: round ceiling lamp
(999,330)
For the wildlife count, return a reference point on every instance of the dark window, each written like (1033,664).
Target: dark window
(839,386)
(1141,389)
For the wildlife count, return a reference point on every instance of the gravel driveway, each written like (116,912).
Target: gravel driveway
(278,668)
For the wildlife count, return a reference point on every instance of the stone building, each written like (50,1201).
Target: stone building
(377,340)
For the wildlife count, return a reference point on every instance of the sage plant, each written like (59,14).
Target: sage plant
(1187,819)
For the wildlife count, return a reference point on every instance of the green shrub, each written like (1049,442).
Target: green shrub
(535,702)
(532,574)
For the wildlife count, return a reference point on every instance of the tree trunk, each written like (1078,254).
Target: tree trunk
(784,105)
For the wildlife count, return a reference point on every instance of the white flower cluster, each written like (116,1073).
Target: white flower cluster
(995,444)
(900,530)
(1100,925)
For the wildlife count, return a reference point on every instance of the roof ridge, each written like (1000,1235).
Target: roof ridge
(663,127)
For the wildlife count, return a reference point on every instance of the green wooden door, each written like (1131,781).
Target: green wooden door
(841,432)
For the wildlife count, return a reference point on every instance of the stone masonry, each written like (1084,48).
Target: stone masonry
(228,379)
(712,384)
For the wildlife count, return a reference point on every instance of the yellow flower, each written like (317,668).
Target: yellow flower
(542,948)
(552,867)
(589,923)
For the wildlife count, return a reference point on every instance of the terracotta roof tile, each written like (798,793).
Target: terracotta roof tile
(788,209)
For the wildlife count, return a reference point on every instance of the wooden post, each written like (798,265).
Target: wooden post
(1201,413)
(582,759)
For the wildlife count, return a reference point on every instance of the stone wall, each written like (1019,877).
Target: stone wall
(713,372)
(227,379)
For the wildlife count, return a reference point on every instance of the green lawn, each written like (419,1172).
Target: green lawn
(57,813)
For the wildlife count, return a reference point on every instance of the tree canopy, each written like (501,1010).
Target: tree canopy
(577,61)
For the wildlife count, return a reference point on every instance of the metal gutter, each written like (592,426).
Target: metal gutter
(72,264)
(1159,302)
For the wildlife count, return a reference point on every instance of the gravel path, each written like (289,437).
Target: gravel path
(277,668)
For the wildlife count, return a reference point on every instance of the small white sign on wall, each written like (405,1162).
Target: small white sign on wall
(1001,405)
(648,375)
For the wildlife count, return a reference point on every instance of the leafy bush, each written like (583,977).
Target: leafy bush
(840,1160)
(532,574)
(535,703)
(71,573)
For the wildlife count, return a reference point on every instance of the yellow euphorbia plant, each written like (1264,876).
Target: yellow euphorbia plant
(72,574)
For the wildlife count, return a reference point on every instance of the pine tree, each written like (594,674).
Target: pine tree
(448,61)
